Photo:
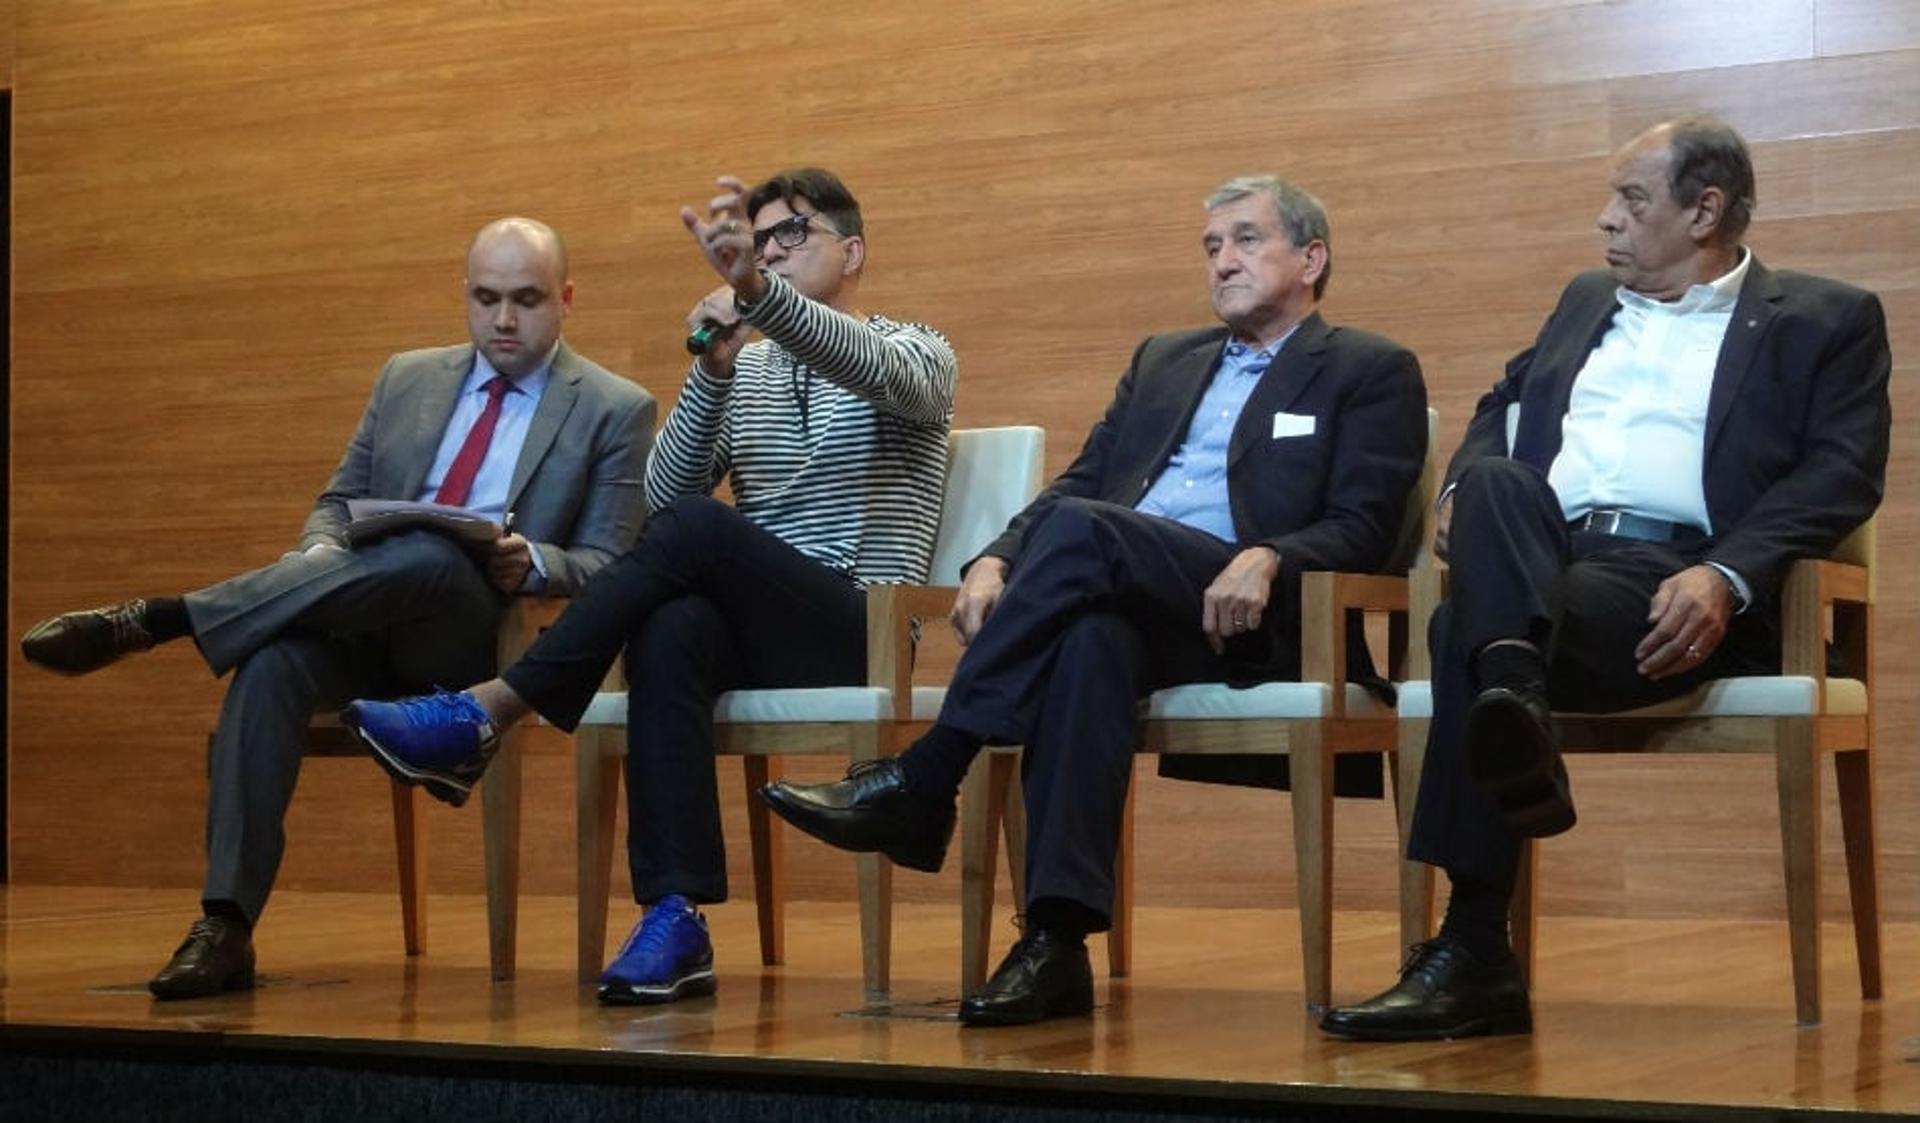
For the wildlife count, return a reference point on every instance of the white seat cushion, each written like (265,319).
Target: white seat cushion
(1212,701)
(797,706)
(1753,696)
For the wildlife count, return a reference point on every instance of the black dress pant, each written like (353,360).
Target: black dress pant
(704,602)
(1102,608)
(1582,599)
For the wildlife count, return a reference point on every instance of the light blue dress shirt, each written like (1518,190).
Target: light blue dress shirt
(1192,489)
(488,496)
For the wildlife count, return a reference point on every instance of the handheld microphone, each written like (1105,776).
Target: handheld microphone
(702,337)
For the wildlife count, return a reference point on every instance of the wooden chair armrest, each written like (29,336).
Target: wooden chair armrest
(894,613)
(1325,600)
(1813,589)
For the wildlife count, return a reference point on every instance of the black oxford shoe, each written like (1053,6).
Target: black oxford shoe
(216,957)
(74,643)
(1514,754)
(1044,976)
(1443,992)
(871,810)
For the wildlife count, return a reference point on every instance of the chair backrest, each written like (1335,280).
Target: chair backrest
(1415,544)
(992,474)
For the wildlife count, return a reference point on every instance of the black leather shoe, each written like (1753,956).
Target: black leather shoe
(74,643)
(216,957)
(1443,992)
(1044,976)
(1514,754)
(871,810)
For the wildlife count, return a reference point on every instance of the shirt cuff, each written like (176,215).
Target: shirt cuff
(1742,592)
(535,581)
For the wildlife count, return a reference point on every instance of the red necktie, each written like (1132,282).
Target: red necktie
(453,490)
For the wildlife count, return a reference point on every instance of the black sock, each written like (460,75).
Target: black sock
(227,910)
(1510,663)
(1477,917)
(1064,918)
(936,763)
(166,618)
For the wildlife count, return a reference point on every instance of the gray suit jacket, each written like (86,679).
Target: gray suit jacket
(577,487)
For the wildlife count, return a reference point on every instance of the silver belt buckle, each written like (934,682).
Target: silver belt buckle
(1604,522)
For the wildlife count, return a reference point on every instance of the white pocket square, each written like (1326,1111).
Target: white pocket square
(1292,424)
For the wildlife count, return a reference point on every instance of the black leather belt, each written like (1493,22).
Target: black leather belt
(1626,524)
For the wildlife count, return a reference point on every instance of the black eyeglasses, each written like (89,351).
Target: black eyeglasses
(789,233)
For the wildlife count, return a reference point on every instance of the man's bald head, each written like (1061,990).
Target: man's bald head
(517,293)
(536,236)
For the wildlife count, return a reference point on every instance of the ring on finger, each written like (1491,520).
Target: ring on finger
(1693,652)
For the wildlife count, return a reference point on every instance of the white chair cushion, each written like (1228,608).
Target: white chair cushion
(1212,701)
(1754,696)
(797,706)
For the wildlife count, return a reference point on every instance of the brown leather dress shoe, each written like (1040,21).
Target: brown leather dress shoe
(74,643)
(216,957)
(1443,992)
(1044,976)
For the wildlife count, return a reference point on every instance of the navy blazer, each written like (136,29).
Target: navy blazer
(1331,499)
(1797,418)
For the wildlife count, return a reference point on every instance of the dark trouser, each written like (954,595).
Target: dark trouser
(1582,599)
(704,602)
(311,633)
(1102,608)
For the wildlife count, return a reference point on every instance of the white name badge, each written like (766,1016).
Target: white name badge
(1292,424)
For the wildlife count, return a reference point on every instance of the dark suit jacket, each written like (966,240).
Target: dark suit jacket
(576,488)
(1797,419)
(1330,499)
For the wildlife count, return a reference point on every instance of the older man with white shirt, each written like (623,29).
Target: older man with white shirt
(1619,518)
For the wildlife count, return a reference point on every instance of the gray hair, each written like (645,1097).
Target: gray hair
(1300,214)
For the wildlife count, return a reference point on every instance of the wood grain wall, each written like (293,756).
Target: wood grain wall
(228,213)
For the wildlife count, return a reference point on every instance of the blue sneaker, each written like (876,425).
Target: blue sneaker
(668,956)
(441,741)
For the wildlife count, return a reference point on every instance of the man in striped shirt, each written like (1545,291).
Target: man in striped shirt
(832,432)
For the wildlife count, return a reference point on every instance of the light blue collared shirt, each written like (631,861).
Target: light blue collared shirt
(489,493)
(1192,489)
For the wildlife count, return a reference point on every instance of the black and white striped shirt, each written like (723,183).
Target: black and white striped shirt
(834,431)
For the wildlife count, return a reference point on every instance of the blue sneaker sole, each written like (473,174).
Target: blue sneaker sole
(438,785)
(695,985)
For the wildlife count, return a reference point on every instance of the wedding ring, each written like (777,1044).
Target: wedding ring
(1693,652)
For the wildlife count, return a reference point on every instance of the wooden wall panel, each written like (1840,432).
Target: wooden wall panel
(227,215)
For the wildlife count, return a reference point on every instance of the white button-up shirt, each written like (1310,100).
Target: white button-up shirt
(1634,437)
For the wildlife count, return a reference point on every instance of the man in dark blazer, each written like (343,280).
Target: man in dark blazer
(1230,460)
(514,425)
(1619,520)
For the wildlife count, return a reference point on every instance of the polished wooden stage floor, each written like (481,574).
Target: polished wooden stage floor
(1674,1016)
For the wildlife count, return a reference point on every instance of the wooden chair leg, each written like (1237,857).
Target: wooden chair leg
(1010,797)
(980,813)
(500,830)
(1854,780)
(1416,878)
(597,755)
(1799,782)
(410,842)
(1313,860)
(768,895)
(873,876)
(1523,915)
(1120,935)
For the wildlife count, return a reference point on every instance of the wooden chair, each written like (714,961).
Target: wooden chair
(991,475)
(1798,717)
(1311,722)
(500,808)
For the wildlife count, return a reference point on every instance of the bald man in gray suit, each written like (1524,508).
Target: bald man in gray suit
(515,426)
